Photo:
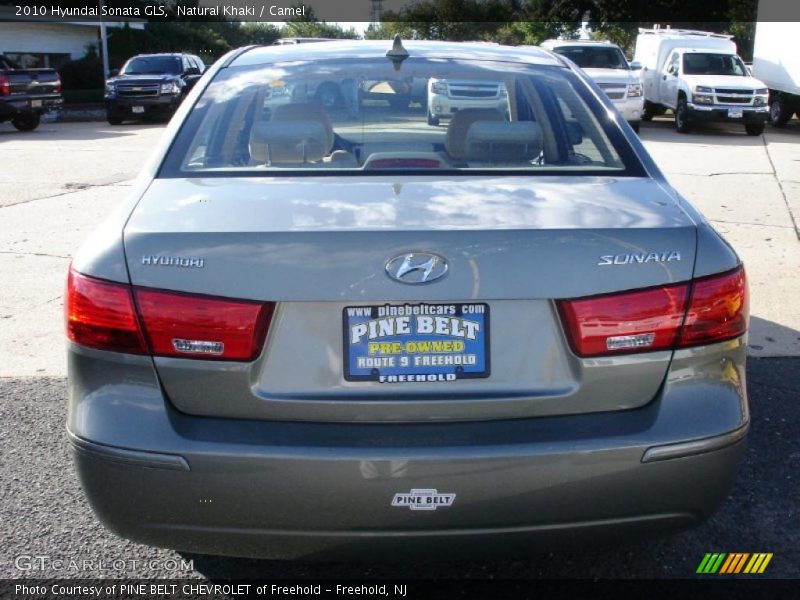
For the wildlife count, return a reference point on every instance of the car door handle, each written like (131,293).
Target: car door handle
(664,77)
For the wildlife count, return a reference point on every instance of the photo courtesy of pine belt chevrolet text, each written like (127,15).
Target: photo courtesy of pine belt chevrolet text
(389,297)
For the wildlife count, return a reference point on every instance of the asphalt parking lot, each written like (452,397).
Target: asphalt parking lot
(60,181)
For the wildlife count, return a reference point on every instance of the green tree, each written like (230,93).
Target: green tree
(259,33)
(532,21)
(317,29)
(309,26)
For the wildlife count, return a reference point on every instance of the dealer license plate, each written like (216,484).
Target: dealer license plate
(735,113)
(138,109)
(405,343)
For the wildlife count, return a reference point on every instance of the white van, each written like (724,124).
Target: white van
(605,63)
(776,62)
(698,75)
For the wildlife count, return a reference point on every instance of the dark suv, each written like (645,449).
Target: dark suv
(151,85)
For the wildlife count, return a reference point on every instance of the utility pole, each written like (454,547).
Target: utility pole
(377,11)
(103,42)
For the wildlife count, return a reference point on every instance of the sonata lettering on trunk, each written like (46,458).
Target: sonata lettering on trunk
(640,258)
(173,261)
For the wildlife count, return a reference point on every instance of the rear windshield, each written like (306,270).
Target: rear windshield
(704,63)
(153,65)
(594,57)
(365,115)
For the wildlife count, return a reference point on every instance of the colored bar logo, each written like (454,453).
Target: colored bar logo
(734,563)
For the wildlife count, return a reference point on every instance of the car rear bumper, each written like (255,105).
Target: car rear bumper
(37,104)
(699,113)
(283,489)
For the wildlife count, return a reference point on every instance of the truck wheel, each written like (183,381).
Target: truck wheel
(682,116)
(648,111)
(113,118)
(635,126)
(779,113)
(754,128)
(26,121)
(432,120)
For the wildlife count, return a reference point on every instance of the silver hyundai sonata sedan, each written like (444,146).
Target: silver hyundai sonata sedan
(316,330)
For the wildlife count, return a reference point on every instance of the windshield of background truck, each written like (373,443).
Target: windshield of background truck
(153,65)
(272,117)
(705,63)
(594,57)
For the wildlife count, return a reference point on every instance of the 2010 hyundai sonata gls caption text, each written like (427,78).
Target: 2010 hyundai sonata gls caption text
(318,329)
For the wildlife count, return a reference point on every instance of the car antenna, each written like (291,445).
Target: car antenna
(397,54)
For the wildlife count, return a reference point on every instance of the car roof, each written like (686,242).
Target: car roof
(559,43)
(173,54)
(300,40)
(342,49)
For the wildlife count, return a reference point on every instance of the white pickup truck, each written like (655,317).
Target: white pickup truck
(699,77)
(605,63)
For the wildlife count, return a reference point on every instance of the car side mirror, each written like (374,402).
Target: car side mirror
(636,66)
(113,72)
(192,71)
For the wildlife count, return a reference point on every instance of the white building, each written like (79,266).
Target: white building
(35,45)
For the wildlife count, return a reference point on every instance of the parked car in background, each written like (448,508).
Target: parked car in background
(699,76)
(26,94)
(605,63)
(309,336)
(446,97)
(776,62)
(151,85)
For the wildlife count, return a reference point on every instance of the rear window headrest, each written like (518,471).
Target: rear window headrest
(508,141)
(289,141)
(456,137)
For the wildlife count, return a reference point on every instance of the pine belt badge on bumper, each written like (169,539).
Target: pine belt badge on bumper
(416,342)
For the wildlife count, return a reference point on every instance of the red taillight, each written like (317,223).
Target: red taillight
(5,85)
(630,322)
(719,309)
(58,83)
(658,318)
(100,314)
(188,326)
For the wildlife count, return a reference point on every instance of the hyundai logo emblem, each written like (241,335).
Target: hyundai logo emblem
(417,267)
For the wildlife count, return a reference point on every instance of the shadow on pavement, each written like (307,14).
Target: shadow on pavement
(87,131)
(717,134)
(772,338)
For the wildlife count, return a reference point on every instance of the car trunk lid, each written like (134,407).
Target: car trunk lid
(319,245)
